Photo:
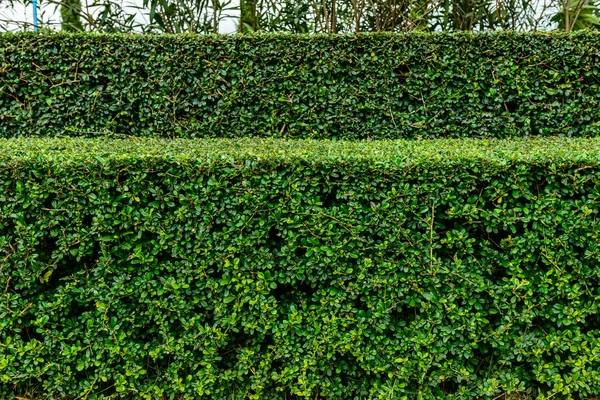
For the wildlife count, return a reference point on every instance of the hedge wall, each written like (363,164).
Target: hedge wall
(346,87)
(303,269)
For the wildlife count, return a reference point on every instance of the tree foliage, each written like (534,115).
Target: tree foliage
(70,13)
(577,15)
(327,16)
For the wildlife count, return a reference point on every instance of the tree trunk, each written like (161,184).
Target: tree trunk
(333,17)
(69,11)
(248,20)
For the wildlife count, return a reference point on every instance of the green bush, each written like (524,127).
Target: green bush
(232,269)
(391,86)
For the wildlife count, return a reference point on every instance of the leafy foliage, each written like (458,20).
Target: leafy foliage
(310,16)
(583,15)
(291,269)
(345,87)
(69,11)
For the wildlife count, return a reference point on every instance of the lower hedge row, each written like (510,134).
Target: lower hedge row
(270,270)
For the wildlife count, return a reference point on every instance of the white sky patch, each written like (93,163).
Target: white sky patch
(19,16)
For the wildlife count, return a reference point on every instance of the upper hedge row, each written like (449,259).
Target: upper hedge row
(349,87)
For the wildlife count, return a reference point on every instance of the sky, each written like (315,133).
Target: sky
(19,16)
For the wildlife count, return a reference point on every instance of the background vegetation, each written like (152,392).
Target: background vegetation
(325,16)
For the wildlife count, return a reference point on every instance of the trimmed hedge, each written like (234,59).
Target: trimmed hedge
(290,269)
(345,87)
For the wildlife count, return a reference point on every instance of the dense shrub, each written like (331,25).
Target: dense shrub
(346,87)
(273,269)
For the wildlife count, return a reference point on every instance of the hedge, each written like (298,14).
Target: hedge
(270,269)
(493,85)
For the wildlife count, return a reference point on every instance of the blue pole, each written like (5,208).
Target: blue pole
(35,19)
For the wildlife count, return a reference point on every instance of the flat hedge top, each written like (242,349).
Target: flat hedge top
(367,86)
(230,150)
(574,37)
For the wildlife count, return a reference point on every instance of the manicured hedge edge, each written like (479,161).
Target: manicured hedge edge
(299,269)
(500,84)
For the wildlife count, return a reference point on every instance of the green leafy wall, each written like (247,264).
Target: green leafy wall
(347,87)
(263,269)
